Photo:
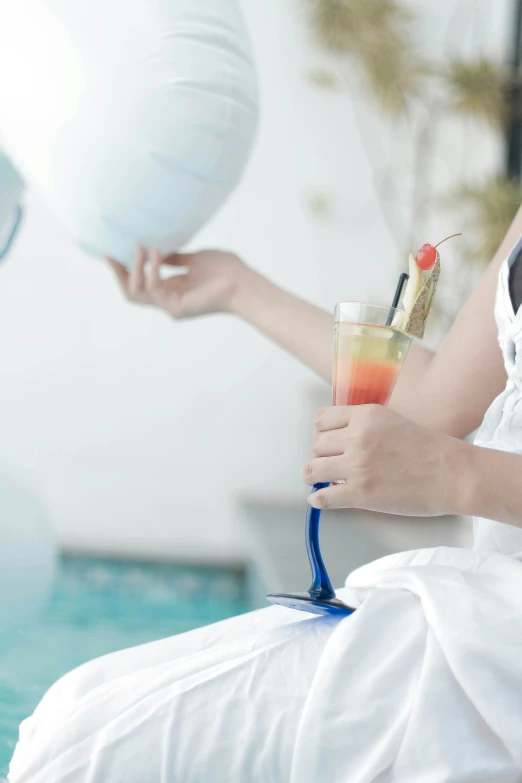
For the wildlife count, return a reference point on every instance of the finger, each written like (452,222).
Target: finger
(335,496)
(121,273)
(324,469)
(333,418)
(168,293)
(328,444)
(154,278)
(137,273)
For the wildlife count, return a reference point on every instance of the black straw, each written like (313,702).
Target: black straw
(398,293)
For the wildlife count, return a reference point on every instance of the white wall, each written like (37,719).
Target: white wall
(139,431)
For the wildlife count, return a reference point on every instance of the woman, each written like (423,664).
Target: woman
(424,681)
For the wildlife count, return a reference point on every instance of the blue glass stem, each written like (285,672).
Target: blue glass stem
(321,586)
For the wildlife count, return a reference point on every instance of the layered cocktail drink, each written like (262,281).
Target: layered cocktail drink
(369,352)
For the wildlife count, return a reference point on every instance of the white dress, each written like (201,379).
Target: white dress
(423,684)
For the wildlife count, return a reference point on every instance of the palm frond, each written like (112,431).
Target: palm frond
(322,78)
(338,25)
(488,210)
(319,204)
(477,89)
(392,73)
(377,35)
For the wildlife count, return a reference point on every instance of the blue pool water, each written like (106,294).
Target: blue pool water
(99,605)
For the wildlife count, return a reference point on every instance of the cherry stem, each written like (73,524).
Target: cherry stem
(450,237)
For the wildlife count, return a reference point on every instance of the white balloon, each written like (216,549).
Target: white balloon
(11,188)
(27,557)
(134,118)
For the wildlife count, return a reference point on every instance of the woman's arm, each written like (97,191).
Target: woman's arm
(493,486)
(449,390)
(390,464)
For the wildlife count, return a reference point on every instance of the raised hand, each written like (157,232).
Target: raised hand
(208,283)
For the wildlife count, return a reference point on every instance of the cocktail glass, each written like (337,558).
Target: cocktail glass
(369,351)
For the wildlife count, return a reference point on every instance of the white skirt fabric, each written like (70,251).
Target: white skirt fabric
(422,682)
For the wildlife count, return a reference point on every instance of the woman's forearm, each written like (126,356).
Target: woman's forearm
(490,486)
(299,327)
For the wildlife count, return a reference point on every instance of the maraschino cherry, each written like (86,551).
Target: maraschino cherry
(427,255)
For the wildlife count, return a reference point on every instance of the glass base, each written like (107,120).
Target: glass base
(305,602)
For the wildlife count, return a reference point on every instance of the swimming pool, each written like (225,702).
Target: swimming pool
(99,605)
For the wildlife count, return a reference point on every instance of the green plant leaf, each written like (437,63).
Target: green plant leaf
(339,24)
(488,209)
(477,89)
(322,78)
(377,36)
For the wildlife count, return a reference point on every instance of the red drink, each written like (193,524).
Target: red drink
(367,363)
